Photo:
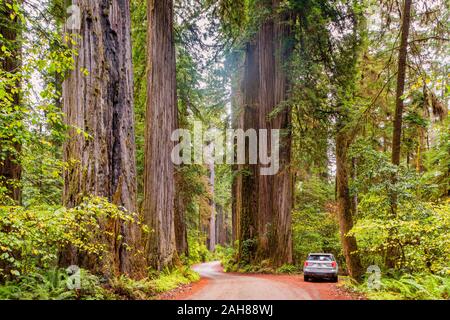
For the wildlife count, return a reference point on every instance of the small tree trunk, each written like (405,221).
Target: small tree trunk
(159,183)
(221,226)
(212,220)
(401,77)
(101,104)
(392,252)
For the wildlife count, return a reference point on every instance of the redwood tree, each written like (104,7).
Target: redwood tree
(247,186)
(161,121)
(98,107)
(265,202)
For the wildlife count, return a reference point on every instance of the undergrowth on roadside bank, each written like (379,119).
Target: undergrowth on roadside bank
(55,285)
(32,238)
(129,289)
(421,286)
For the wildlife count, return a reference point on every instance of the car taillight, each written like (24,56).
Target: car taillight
(333,264)
(306,263)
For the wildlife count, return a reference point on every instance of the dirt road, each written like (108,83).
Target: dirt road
(217,285)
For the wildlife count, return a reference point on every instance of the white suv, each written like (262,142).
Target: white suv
(320,266)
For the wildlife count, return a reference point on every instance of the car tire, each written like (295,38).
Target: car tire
(335,279)
(306,278)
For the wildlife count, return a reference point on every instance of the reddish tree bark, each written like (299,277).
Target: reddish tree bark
(100,103)
(159,183)
(181,199)
(265,216)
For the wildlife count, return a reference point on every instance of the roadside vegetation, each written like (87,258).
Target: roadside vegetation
(32,239)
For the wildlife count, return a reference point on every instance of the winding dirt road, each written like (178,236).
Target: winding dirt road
(217,285)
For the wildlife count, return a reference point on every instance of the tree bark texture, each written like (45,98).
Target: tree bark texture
(283,184)
(392,251)
(10,167)
(221,226)
(237,122)
(181,199)
(266,201)
(401,78)
(100,151)
(349,244)
(248,173)
(159,184)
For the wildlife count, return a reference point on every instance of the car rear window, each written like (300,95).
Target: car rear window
(319,258)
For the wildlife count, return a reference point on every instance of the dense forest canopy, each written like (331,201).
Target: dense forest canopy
(92,91)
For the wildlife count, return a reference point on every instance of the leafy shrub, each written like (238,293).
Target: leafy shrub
(198,252)
(227,256)
(418,230)
(288,269)
(30,239)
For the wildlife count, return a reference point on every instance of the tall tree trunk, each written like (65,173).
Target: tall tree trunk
(392,252)
(349,244)
(265,212)
(266,51)
(282,196)
(248,177)
(159,184)
(10,168)
(401,77)
(101,104)
(237,123)
(276,193)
